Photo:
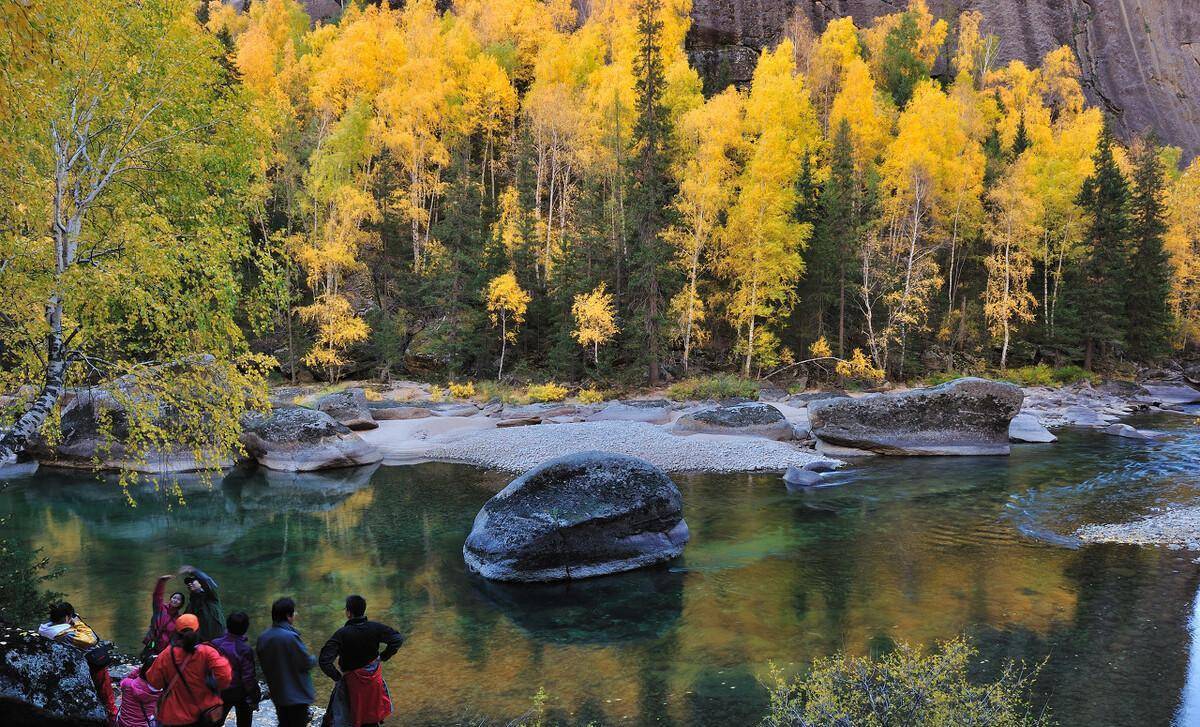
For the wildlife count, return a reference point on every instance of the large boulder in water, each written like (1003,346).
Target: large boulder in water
(749,418)
(966,416)
(295,439)
(582,515)
(43,682)
(348,407)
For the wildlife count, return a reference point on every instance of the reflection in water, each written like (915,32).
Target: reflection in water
(1189,703)
(918,550)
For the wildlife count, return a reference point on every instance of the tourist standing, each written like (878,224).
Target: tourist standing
(243,693)
(286,664)
(162,618)
(139,700)
(361,694)
(191,676)
(66,627)
(204,602)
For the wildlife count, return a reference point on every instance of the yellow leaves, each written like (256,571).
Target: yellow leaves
(859,367)
(337,328)
(1183,245)
(506,302)
(687,315)
(595,315)
(590,395)
(462,391)
(867,111)
(820,349)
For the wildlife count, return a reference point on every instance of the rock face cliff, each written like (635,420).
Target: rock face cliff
(1140,58)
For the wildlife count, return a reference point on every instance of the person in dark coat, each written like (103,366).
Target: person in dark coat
(204,601)
(360,693)
(286,664)
(243,692)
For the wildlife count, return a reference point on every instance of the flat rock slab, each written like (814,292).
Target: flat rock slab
(752,418)
(1027,428)
(968,416)
(295,439)
(654,411)
(1168,394)
(348,407)
(1129,432)
(578,516)
(389,411)
(807,397)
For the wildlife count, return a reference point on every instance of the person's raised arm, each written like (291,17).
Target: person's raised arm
(330,652)
(210,586)
(156,600)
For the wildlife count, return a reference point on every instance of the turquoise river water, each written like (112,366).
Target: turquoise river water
(915,550)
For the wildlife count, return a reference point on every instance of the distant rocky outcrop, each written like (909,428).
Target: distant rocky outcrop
(967,416)
(1139,58)
(747,418)
(578,516)
(45,683)
(348,407)
(296,439)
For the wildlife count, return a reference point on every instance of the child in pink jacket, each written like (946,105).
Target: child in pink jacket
(138,698)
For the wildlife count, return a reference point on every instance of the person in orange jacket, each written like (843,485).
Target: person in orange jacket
(182,673)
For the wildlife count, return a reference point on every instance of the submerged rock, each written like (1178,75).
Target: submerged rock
(799,478)
(578,516)
(750,418)
(1129,432)
(968,416)
(295,439)
(348,407)
(1027,428)
(45,683)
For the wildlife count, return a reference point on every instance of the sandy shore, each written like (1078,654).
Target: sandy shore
(477,441)
(1176,528)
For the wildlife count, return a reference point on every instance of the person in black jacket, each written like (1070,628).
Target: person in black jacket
(356,648)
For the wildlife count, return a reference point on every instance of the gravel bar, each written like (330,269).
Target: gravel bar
(518,449)
(1176,528)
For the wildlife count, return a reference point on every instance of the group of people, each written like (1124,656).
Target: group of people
(198,666)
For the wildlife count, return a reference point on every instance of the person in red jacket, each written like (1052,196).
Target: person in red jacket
(182,673)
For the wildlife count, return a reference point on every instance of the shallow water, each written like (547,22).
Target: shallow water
(916,550)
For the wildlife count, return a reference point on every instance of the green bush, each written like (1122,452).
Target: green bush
(940,377)
(721,386)
(1044,375)
(904,687)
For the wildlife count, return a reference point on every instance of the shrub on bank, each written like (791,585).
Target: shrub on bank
(462,391)
(1039,375)
(539,393)
(720,386)
(590,396)
(906,686)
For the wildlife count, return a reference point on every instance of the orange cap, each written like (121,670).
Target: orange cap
(187,622)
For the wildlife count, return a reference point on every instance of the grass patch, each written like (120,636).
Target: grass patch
(720,386)
(1044,375)
(590,396)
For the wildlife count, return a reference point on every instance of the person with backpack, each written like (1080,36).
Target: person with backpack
(286,664)
(162,618)
(360,697)
(204,602)
(191,676)
(243,692)
(139,700)
(66,627)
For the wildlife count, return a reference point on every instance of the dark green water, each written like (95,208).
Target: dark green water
(918,550)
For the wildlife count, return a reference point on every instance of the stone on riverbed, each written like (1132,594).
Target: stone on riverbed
(750,418)
(1129,432)
(968,416)
(1027,428)
(578,516)
(45,683)
(797,478)
(295,439)
(651,411)
(348,407)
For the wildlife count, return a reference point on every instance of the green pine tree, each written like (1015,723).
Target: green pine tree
(1146,305)
(1098,294)
(650,194)
(902,65)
